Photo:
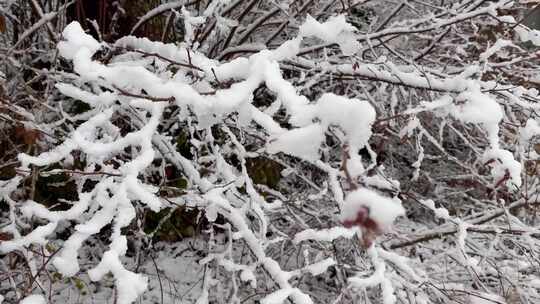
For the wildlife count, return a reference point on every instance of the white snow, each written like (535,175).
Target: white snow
(34,299)
(76,40)
(473,106)
(326,235)
(334,30)
(401,262)
(278,296)
(105,98)
(440,212)
(525,34)
(129,285)
(190,22)
(300,142)
(531,129)
(279,276)
(377,278)
(310,120)
(37,236)
(288,49)
(382,210)
(499,44)
(354,116)
(504,162)
(486,298)
(320,267)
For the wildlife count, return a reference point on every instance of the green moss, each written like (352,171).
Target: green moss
(183,146)
(180,183)
(56,276)
(79,284)
(50,248)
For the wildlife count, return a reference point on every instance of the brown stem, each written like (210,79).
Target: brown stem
(187,65)
(155,99)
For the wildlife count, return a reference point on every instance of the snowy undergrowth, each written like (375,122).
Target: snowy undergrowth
(111,199)
(147,92)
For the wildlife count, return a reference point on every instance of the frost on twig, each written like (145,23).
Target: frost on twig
(411,135)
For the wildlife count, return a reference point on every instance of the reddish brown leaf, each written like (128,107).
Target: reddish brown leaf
(28,136)
(5,236)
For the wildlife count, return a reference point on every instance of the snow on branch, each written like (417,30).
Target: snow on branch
(345,159)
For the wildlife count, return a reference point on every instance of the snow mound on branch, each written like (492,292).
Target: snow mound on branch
(324,235)
(476,107)
(334,30)
(531,129)
(37,236)
(301,142)
(382,210)
(354,116)
(473,106)
(76,39)
(499,44)
(526,34)
(504,162)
